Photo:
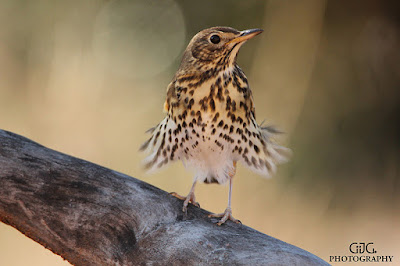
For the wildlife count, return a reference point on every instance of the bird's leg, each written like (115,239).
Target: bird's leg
(190,198)
(227,214)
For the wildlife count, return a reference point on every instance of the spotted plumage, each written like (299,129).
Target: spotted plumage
(210,123)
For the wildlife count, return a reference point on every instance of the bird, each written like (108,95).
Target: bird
(210,121)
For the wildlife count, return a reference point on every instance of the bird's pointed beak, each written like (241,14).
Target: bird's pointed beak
(246,35)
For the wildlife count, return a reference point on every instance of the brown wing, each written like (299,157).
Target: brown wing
(171,94)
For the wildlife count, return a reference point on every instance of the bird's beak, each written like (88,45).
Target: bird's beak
(245,35)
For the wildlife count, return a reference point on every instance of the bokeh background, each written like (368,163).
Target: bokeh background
(87,78)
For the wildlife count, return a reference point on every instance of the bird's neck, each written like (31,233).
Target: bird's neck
(199,75)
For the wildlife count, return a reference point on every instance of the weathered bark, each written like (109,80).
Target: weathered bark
(91,215)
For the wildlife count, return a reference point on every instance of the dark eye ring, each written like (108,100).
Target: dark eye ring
(215,39)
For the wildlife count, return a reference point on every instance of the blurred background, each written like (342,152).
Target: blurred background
(88,78)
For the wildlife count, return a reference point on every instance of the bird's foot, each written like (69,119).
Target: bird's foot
(190,198)
(227,215)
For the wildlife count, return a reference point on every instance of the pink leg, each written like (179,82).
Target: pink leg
(227,214)
(190,198)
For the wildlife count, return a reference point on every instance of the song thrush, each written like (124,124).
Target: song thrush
(210,123)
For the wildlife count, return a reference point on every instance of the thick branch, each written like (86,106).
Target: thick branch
(91,215)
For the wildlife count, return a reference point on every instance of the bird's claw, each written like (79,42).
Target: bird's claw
(226,215)
(190,198)
(176,195)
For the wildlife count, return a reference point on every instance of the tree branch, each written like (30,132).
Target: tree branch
(91,215)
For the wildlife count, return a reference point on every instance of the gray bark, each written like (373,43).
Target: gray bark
(91,215)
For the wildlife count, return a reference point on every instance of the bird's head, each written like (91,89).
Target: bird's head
(215,47)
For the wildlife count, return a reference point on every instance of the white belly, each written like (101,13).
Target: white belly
(209,156)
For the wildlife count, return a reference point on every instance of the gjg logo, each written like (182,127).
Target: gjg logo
(362,252)
(361,247)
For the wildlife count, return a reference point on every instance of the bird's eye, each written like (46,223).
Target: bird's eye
(215,39)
